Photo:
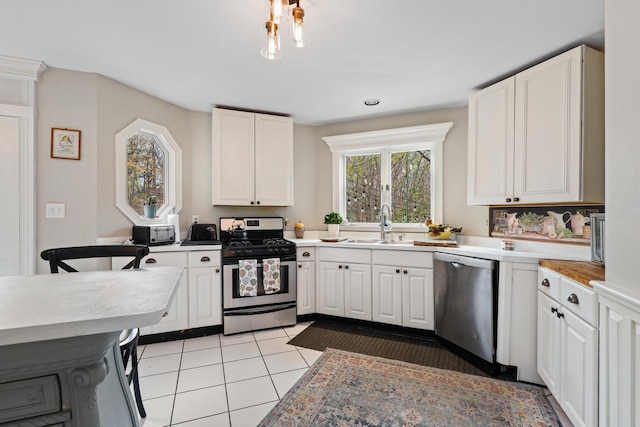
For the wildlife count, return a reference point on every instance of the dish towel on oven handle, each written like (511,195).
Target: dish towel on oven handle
(248,273)
(271,275)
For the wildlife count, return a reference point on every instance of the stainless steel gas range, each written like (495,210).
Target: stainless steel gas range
(258,274)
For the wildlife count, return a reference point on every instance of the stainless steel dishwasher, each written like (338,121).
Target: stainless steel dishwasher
(466,295)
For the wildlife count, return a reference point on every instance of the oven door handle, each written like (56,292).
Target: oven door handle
(271,310)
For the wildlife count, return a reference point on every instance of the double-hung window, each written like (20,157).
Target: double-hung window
(400,167)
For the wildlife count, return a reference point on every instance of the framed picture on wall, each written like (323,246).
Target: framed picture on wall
(65,144)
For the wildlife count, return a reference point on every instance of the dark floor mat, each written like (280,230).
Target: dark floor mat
(359,339)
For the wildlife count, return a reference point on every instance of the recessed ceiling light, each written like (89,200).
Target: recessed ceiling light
(371,102)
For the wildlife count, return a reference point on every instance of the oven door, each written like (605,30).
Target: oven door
(232,298)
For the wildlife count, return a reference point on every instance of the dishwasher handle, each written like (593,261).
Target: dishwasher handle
(459,260)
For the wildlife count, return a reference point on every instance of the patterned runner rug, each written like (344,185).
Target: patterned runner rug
(349,389)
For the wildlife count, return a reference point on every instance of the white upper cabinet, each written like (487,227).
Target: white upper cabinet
(252,159)
(538,137)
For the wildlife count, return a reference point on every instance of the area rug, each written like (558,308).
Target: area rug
(350,389)
(374,342)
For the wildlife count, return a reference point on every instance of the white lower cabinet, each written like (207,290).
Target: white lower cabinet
(198,299)
(403,293)
(177,317)
(306,279)
(568,345)
(344,288)
(205,289)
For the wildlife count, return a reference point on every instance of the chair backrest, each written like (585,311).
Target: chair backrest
(57,256)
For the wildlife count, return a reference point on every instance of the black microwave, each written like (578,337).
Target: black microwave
(597,238)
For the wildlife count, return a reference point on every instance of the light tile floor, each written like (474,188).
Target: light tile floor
(226,381)
(231,381)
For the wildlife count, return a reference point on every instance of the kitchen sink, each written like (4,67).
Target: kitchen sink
(365,241)
(395,242)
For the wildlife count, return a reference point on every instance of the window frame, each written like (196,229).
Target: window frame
(173,171)
(425,137)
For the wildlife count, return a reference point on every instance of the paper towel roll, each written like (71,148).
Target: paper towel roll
(174,219)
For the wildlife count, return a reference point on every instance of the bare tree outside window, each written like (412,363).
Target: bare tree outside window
(145,171)
(410,185)
(363,187)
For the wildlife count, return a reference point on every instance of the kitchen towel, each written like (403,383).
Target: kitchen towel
(248,272)
(271,275)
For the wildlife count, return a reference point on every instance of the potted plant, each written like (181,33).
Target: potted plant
(151,207)
(333,221)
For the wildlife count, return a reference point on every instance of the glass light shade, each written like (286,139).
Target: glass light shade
(271,49)
(278,10)
(297,27)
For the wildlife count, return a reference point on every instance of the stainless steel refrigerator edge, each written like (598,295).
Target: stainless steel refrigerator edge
(466,291)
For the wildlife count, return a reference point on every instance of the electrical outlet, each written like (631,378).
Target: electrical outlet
(195,218)
(55,210)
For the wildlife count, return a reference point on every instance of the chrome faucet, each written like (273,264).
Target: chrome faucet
(383,221)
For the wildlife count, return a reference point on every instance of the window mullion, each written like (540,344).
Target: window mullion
(385,177)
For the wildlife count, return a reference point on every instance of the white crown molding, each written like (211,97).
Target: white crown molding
(21,68)
(389,137)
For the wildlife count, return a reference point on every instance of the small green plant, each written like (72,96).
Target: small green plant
(152,200)
(529,219)
(333,218)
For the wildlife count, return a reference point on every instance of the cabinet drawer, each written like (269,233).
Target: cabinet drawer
(403,258)
(343,255)
(204,258)
(164,259)
(580,300)
(549,283)
(29,398)
(306,254)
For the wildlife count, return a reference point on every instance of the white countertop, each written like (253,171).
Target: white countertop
(479,251)
(52,306)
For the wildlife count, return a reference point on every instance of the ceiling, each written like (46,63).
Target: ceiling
(413,55)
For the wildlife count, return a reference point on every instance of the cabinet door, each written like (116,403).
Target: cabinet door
(233,151)
(548,130)
(273,160)
(306,287)
(357,291)
(205,297)
(490,150)
(330,289)
(579,378)
(548,349)
(417,298)
(177,317)
(387,294)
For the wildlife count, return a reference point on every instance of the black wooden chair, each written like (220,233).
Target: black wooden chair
(129,337)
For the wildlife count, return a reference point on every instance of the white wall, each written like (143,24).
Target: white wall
(622,106)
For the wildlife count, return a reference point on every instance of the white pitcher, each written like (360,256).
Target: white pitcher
(578,222)
(560,221)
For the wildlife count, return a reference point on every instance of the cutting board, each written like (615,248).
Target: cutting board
(333,239)
(435,242)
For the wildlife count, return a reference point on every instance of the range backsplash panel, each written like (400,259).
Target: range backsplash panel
(558,224)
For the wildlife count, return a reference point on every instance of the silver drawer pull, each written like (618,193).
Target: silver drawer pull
(150,261)
(306,254)
(205,259)
(573,298)
(545,282)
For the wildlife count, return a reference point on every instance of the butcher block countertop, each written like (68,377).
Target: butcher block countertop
(580,271)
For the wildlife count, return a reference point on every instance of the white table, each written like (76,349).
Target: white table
(59,357)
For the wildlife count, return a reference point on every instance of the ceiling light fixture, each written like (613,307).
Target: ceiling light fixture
(278,13)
